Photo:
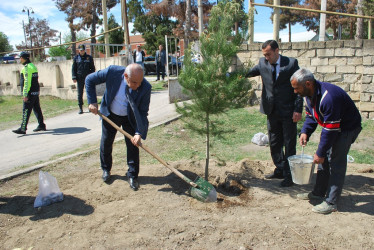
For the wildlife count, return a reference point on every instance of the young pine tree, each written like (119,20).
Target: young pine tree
(213,91)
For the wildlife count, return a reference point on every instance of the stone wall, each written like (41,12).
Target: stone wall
(348,64)
(55,78)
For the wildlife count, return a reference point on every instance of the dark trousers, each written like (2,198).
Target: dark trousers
(282,140)
(32,103)
(80,88)
(160,67)
(106,145)
(331,174)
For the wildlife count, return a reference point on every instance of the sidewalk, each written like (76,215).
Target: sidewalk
(66,133)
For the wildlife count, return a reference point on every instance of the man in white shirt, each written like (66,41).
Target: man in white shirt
(126,102)
(139,55)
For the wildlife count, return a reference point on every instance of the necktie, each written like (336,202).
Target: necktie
(138,119)
(274,72)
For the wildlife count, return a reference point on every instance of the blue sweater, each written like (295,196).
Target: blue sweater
(333,109)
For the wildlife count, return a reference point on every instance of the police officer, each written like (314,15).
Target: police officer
(30,93)
(83,65)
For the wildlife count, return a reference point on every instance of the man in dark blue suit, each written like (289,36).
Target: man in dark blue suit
(126,102)
(160,62)
(281,105)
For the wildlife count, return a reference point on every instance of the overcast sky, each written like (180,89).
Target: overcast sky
(11,17)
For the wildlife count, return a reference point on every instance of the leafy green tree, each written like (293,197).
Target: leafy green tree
(4,43)
(368,8)
(60,51)
(72,11)
(153,29)
(64,50)
(212,90)
(41,35)
(240,19)
(154,19)
(311,20)
(115,37)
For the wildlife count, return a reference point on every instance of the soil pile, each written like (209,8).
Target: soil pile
(250,213)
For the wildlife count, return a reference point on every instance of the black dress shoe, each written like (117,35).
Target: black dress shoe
(40,128)
(106,175)
(274,176)
(134,184)
(19,131)
(287,182)
(80,111)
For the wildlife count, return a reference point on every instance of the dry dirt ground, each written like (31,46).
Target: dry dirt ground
(251,212)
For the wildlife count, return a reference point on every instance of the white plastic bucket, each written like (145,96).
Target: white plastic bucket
(302,168)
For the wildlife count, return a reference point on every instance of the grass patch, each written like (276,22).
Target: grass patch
(159,85)
(365,156)
(173,142)
(11,109)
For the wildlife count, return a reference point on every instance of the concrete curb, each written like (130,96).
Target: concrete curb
(44,164)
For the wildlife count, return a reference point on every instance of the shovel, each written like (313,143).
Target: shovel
(200,189)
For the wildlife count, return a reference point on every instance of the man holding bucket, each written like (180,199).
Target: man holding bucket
(281,105)
(332,108)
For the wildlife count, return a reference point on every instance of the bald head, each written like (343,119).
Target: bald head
(134,75)
(134,69)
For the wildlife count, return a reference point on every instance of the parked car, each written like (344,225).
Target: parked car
(150,65)
(194,58)
(7,59)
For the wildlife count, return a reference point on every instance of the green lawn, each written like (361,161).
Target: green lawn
(173,142)
(11,109)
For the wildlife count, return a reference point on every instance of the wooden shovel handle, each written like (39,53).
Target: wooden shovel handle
(179,174)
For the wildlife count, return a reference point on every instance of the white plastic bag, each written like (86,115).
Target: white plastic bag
(260,139)
(350,159)
(49,192)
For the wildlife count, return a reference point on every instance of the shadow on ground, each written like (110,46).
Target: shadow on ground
(24,206)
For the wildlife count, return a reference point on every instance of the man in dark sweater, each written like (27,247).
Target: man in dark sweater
(83,65)
(332,108)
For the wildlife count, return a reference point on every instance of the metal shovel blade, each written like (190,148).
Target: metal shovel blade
(205,191)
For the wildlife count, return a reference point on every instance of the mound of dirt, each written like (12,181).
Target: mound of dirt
(250,213)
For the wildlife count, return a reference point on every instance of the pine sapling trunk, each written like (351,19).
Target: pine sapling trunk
(207,149)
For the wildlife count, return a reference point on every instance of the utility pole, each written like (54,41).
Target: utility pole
(251,21)
(322,21)
(125,27)
(360,21)
(24,32)
(28,9)
(200,15)
(276,18)
(106,35)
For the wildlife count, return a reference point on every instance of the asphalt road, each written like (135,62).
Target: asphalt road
(66,133)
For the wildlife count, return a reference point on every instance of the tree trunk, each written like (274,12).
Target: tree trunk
(289,32)
(335,32)
(187,26)
(207,149)
(200,16)
(73,39)
(351,36)
(93,28)
(360,21)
